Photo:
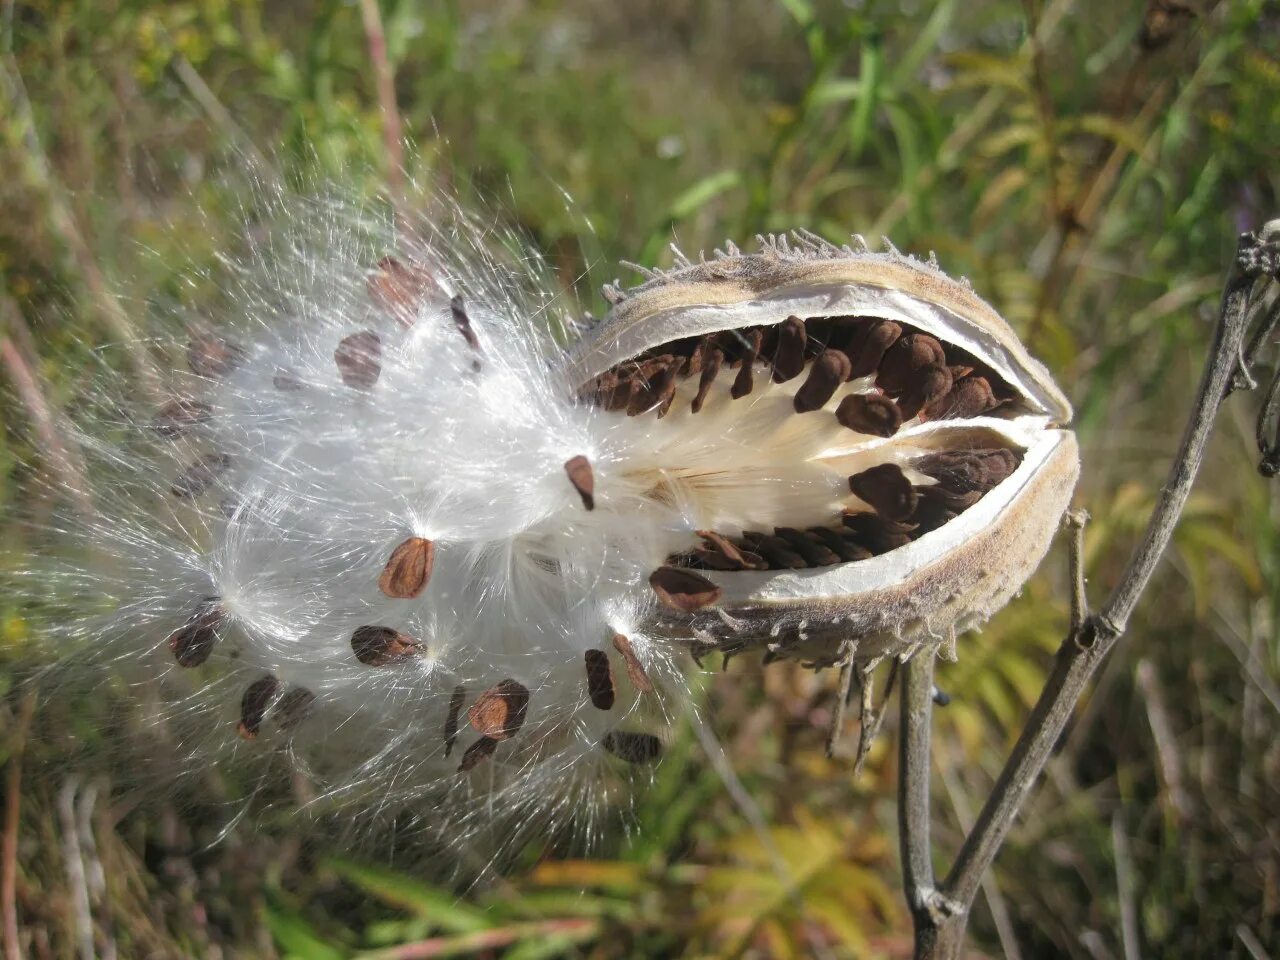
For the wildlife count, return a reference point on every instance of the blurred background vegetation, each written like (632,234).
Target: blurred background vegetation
(1086,163)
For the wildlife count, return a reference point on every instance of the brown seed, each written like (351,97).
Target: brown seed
(377,646)
(875,534)
(815,553)
(683,590)
(664,386)
(775,550)
(970,397)
(734,558)
(931,385)
(398,289)
(408,569)
(583,479)
(177,416)
(871,349)
(887,489)
(499,713)
(193,642)
(829,371)
(599,679)
(633,747)
(456,701)
(253,705)
(643,396)
(905,359)
(200,476)
(788,361)
(359,359)
(293,708)
(286,381)
(743,383)
(710,369)
(869,413)
(846,550)
(936,507)
(482,749)
(701,349)
(460,320)
(635,669)
(961,471)
(213,357)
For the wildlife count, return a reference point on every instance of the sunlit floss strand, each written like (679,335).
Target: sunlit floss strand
(409,524)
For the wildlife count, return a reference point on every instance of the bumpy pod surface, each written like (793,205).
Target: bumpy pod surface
(401,521)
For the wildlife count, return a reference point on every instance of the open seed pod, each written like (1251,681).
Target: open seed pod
(860,448)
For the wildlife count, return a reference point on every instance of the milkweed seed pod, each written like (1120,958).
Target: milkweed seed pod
(859,448)
(408,524)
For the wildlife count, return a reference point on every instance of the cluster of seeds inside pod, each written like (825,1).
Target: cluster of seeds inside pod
(498,713)
(903,511)
(886,373)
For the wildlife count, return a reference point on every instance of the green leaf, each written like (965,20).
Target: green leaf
(443,909)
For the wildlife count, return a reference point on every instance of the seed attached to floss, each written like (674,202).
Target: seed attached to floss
(294,707)
(599,679)
(286,381)
(683,590)
(359,359)
(408,569)
(177,416)
(788,361)
(710,370)
(743,383)
(583,479)
(635,669)
(377,646)
(869,413)
(637,748)
(193,642)
(723,554)
(212,357)
(828,372)
(456,701)
(887,489)
(200,476)
(253,706)
(482,749)
(500,711)
(399,289)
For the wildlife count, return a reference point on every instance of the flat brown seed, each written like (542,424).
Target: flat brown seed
(869,413)
(286,381)
(458,311)
(664,386)
(408,569)
(599,679)
(377,646)
(398,289)
(213,357)
(814,552)
(887,489)
(638,748)
(871,350)
(178,416)
(845,549)
(359,359)
(776,551)
(960,471)
(200,476)
(499,713)
(875,534)
(788,361)
(710,369)
(253,705)
(932,383)
(723,547)
(828,372)
(683,590)
(482,749)
(456,701)
(970,397)
(193,642)
(635,669)
(294,707)
(744,383)
(903,361)
(583,479)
